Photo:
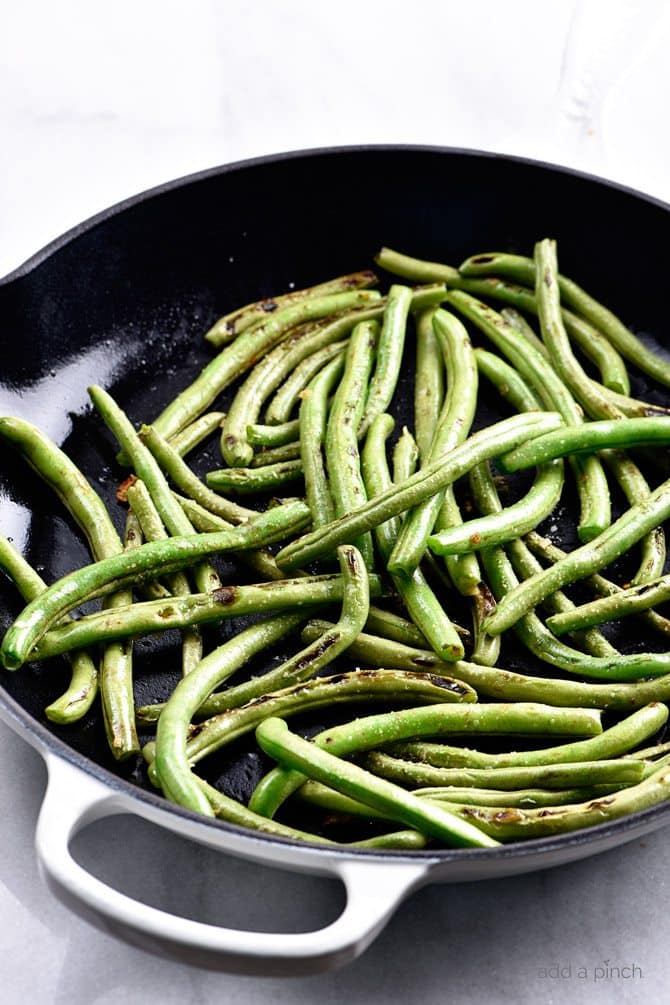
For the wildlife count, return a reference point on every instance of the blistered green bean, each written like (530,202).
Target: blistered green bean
(275,739)
(288,395)
(480,446)
(192,436)
(231,325)
(346,413)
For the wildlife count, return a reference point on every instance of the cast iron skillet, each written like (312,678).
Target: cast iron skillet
(123,300)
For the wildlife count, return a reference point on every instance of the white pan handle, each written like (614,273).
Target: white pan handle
(73,799)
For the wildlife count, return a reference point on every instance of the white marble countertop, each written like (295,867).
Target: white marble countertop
(99,103)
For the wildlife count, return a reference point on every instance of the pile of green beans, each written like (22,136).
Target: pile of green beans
(453,526)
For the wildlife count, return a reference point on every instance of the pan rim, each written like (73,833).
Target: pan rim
(23,723)
(60,242)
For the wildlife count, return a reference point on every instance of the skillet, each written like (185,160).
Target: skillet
(123,300)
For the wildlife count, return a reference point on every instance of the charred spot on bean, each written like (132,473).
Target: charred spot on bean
(351,558)
(321,649)
(600,804)
(508,816)
(268,306)
(424,661)
(486,599)
(166,612)
(225,595)
(338,678)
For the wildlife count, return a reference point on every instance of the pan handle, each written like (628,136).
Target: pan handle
(74,799)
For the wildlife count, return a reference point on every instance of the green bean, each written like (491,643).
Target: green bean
(415,269)
(587,392)
(510,824)
(525,798)
(384,685)
(488,501)
(56,469)
(324,692)
(432,720)
(508,524)
(577,328)
(276,455)
(318,654)
(229,809)
(483,487)
(420,600)
(116,671)
(552,776)
(231,325)
(486,648)
(589,558)
(83,687)
(388,360)
(251,480)
(591,341)
(260,560)
(27,581)
(595,346)
(392,626)
(192,436)
(525,565)
(635,488)
(613,742)
(648,753)
(118,571)
(453,427)
(508,382)
(148,517)
(531,631)
(346,414)
(343,325)
(182,476)
(151,616)
(290,392)
(428,383)
(405,457)
(524,270)
(177,780)
(268,374)
(147,468)
(519,322)
(547,550)
(480,446)
(275,739)
(142,505)
(313,425)
(274,436)
(497,683)
(407,840)
(238,357)
(611,666)
(320,795)
(590,437)
(621,605)
(590,477)
(91,515)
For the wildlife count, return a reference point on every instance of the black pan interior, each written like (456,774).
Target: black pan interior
(124,302)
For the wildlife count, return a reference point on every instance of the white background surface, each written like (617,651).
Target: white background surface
(98,102)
